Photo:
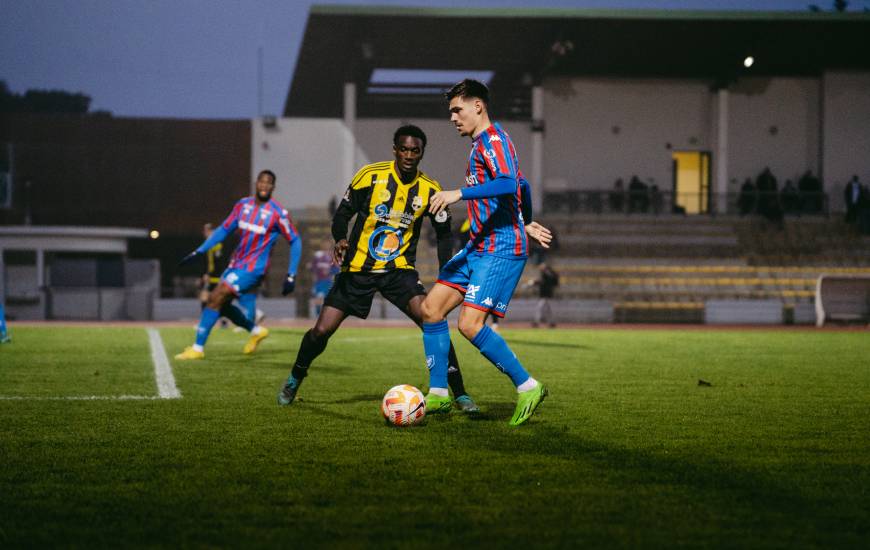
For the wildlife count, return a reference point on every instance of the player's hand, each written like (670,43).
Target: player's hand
(443,199)
(189,258)
(338,251)
(289,285)
(539,233)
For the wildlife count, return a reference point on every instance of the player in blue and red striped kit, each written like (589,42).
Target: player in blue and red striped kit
(259,219)
(483,275)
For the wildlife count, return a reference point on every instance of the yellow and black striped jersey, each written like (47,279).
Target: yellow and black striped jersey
(389,216)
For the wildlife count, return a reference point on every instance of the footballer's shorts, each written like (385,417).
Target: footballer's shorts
(487,281)
(352,292)
(240,281)
(321,288)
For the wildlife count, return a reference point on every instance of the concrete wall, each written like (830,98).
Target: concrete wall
(846,131)
(308,155)
(601,129)
(773,123)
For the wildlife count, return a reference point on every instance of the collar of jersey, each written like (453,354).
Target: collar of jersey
(398,177)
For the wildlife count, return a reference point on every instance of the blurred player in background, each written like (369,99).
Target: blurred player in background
(259,219)
(390,200)
(483,275)
(323,270)
(4,334)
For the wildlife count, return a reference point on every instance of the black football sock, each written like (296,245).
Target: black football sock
(454,376)
(309,349)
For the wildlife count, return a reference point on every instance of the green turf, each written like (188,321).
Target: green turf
(628,451)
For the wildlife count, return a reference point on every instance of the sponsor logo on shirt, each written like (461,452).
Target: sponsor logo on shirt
(501,306)
(258,229)
(471,292)
(386,242)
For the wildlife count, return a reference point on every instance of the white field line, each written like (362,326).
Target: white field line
(166,388)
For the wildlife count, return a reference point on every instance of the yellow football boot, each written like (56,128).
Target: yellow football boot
(255,340)
(189,353)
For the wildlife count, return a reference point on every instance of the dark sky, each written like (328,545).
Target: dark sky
(198,58)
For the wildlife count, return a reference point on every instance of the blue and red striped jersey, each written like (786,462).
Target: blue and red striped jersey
(497,225)
(259,227)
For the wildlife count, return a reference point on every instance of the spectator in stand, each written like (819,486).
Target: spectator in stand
(789,198)
(657,201)
(637,197)
(852,195)
(810,190)
(768,198)
(748,197)
(617,196)
(546,282)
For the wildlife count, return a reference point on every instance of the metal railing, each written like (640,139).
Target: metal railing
(771,205)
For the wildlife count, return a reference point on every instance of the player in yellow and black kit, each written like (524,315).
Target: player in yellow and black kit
(390,200)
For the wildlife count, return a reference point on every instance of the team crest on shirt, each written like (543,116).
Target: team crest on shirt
(489,153)
(265,214)
(384,195)
(417,203)
(386,242)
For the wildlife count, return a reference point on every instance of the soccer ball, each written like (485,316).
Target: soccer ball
(403,405)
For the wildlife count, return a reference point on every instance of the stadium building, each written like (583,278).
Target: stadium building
(687,104)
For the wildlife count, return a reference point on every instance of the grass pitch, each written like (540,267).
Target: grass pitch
(628,451)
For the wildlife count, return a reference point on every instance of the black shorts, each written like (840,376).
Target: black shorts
(352,293)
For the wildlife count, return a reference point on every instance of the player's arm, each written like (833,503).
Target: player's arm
(443,236)
(217,236)
(533,229)
(354,198)
(292,235)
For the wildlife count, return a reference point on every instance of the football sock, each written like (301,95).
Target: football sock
(529,384)
(248,303)
(309,349)
(454,376)
(298,374)
(436,344)
(236,315)
(206,321)
(494,348)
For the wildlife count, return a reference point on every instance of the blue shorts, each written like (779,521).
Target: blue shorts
(321,288)
(488,281)
(241,281)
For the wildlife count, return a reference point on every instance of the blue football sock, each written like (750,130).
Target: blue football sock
(235,315)
(2,322)
(248,301)
(207,320)
(494,348)
(436,344)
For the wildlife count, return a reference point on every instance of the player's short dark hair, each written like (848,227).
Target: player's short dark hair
(469,88)
(268,173)
(409,130)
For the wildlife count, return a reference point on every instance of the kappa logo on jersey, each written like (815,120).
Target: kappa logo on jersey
(385,244)
(494,138)
(487,301)
(471,292)
(417,203)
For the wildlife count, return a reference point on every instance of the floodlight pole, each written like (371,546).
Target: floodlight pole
(350,124)
(721,160)
(537,179)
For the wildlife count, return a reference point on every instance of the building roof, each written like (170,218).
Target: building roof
(520,47)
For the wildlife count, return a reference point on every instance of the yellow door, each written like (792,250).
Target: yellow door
(692,181)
